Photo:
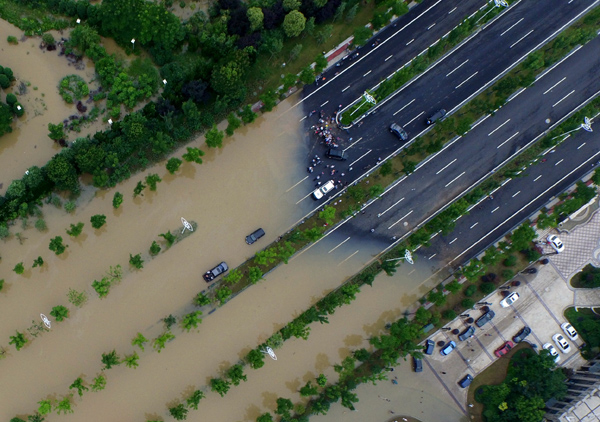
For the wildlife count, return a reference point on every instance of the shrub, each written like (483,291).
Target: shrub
(12,40)
(19,268)
(470,290)
(154,248)
(98,220)
(508,274)
(510,261)
(48,39)
(117,200)
(11,99)
(449,314)
(468,303)
(487,288)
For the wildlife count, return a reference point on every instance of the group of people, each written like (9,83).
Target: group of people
(323,130)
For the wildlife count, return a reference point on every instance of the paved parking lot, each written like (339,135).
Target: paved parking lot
(543,298)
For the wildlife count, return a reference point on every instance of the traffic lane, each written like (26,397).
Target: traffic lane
(517,199)
(349,80)
(465,161)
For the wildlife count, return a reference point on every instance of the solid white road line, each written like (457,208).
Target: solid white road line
(456,68)
(446,166)
(324,103)
(454,180)
(431,26)
(359,158)
(410,41)
(558,162)
(389,57)
(345,88)
(302,199)
(554,86)
(499,127)
(452,241)
(463,82)
(521,39)
(507,140)
(452,10)
(415,118)
(367,73)
(296,184)
(559,101)
(340,244)
(474,225)
(404,107)
(303,118)
(352,144)
(512,26)
(348,258)
(392,206)
(516,194)
(550,69)
(411,211)
(536,179)
(581,145)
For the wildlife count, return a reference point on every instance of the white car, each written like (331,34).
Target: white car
(569,331)
(552,351)
(509,300)
(562,343)
(321,191)
(556,243)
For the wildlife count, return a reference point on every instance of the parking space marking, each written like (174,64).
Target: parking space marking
(506,140)
(324,103)
(454,180)
(352,144)
(405,106)
(465,81)
(359,158)
(495,209)
(340,244)
(489,134)
(458,403)
(563,98)
(411,211)
(542,302)
(521,39)
(554,86)
(391,55)
(446,166)
(415,118)
(348,258)
(392,206)
(367,73)
(536,179)
(345,88)
(456,68)
(512,26)
(296,184)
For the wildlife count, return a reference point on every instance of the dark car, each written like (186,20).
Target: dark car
(448,348)
(466,381)
(440,114)
(417,364)
(429,345)
(397,130)
(468,333)
(485,318)
(336,154)
(254,236)
(530,271)
(520,336)
(215,272)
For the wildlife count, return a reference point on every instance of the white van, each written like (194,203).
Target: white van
(323,190)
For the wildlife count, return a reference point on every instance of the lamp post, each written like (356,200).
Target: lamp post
(78,21)
(133,43)
(407,256)
(497,3)
(110,122)
(586,125)
(165,82)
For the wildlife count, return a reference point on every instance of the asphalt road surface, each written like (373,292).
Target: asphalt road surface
(469,159)
(451,82)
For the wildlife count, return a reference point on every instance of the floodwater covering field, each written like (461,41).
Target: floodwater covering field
(239,188)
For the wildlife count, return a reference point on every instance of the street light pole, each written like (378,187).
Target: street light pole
(133,43)
(586,125)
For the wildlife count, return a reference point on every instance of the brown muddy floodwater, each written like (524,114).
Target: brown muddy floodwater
(40,71)
(245,185)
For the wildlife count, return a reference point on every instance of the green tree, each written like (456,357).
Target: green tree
(98,220)
(220,386)
(390,267)
(453,287)
(320,63)
(422,316)
(136,261)
(76,298)
(139,188)
(56,245)
(154,248)
(38,262)
(56,132)
(75,229)
(295,52)
(233,122)
(99,383)
(255,359)
(191,320)
(194,400)
(247,115)
(233,277)
(467,303)
(409,166)
(285,251)
(161,341)
(487,288)
(309,390)
(78,385)
(19,268)
(321,380)
(139,340)
(110,359)
(45,407)
(173,165)
(256,17)
(361,36)
(214,137)
(201,299)
(101,287)
(193,155)
(492,256)
(59,313)
(324,34)
(179,412)
(291,5)
(293,23)
(522,237)
(64,405)
(152,180)
(222,294)
(265,417)
(236,374)
(375,191)
(255,274)
(169,321)
(328,214)
(352,13)
(169,237)
(19,340)
(117,200)
(131,361)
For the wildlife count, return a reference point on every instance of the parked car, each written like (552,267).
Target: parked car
(399,131)
(466,381)
(254,236)
(556,243)
(562,343)
(550,348)
(569,331)
(504,349)
(429,346)
(215,272)
(321,191)
(417,364)
(521,335)
(468,333)
(530,270)
(440,114)
(336,154)
(509,300)
(485,318)
(448,348)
